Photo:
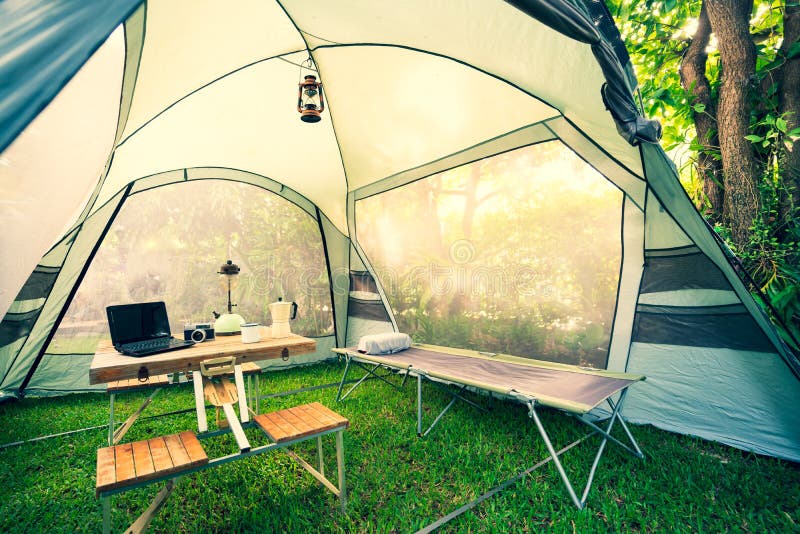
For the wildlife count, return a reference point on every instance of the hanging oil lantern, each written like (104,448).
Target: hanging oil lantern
(310,102)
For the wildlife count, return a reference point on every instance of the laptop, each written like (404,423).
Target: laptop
(142,329)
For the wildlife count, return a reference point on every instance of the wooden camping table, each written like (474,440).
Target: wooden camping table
(108,365)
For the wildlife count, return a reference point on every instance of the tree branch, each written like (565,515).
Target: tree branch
(730,21)
(694,81)
(789,106)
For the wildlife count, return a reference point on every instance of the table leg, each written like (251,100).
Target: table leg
(319,456)
(111,419)
(340,467)
(238,378)
(200,402)
(236,428)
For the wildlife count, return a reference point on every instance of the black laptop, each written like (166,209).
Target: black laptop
(142,329)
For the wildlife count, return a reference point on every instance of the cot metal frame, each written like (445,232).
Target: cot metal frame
(370,367)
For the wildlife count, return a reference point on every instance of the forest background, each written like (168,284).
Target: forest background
(723,78)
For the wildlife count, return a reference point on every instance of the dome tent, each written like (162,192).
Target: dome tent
(412,89)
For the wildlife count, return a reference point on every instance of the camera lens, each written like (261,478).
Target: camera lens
(199,335)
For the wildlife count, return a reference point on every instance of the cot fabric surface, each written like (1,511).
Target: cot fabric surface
(557,385)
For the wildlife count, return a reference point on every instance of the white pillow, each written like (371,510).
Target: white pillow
(387,343)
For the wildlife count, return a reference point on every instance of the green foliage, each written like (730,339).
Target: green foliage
(396,482)
(657,33)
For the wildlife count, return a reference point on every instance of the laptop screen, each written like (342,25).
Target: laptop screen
(137,322)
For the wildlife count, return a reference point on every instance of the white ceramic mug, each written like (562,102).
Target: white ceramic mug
(251,333)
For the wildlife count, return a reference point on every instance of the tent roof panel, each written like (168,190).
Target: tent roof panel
(189,44)
(232,124)
(394,108)
(492,36)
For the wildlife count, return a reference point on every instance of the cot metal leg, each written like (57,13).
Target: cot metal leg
(111,419)
(106,515)
(624,425)
(344,378)
(340,468)
(456,397)
(370,371)
(319,455)
(419,405)
(405,377)
(553,455)
(121,431)
(606,433)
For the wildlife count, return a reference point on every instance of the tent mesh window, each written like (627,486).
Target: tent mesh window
(168,244)
(518,253)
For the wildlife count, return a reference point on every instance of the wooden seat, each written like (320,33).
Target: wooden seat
(219,393)
(300,422)
(131,463)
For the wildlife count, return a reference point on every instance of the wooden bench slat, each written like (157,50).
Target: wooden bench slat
(299,422)
(324,421)
(176,451)
(325,415)
(325,411)
(275,427)
(106,474)
(142,461)
(249,368)
(132,463)
(322,417)
(162,461)
(197,455)
(123,461)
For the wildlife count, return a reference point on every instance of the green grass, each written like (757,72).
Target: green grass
(396,481)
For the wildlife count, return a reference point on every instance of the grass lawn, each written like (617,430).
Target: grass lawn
(396,481)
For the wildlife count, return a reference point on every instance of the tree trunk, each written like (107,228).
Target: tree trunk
(694,80)
(789,107)
(730,21)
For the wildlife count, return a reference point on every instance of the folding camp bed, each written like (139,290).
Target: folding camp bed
(572,389)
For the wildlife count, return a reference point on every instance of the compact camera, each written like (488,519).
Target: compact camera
(198,332)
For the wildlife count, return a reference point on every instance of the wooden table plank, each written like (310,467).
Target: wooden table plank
(108,365)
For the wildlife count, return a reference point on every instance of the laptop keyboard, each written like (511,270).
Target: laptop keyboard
(154,345)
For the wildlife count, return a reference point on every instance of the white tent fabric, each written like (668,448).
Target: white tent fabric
(412,89)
